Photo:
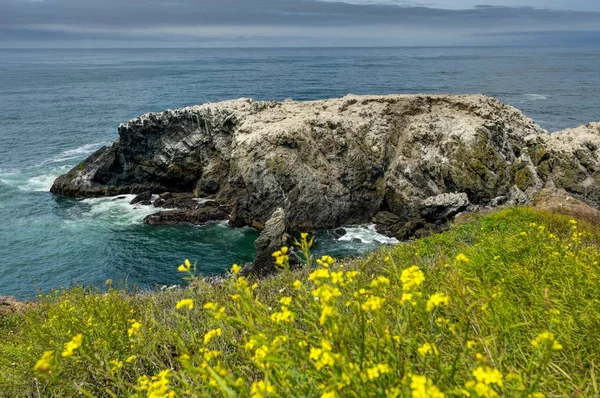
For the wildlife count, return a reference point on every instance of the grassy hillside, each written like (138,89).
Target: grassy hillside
(506,304)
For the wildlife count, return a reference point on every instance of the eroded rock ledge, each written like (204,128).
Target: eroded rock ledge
(410,162)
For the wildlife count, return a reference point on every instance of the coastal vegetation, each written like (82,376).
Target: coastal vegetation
(502,304)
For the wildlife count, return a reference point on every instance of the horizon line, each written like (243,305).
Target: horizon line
(302,47)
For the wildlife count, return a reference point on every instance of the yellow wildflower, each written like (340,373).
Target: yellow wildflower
(211,306)
(380,280)
(546,337)
(377,370)
(131,358)
(185,303)
(236,269)
(412,278)
(260,389)
(428,348)
(260,354)
(461,258)
(115,364)
(322,357)
(337,278)
(350,275)
(44,364)
(72,345)
(488,375)
(285,300)
(373,303)
(297,284)
(422,387)
(321,273)
(212,334)
(436,300)
(135,327)
(326,311)
(326,293)
(329,394)
(284,316)
(185,267)
(407,297)
(157,386)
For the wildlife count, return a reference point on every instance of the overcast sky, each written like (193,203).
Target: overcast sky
(246,23)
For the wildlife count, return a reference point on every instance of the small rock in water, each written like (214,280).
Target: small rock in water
(356,240)
(143,199)
(338,233)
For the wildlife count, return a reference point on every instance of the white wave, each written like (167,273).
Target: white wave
(536,97)
(367,234)
(117,210)
(25,181)
(41,183)
(76,153)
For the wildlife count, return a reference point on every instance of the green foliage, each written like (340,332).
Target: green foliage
(505,304)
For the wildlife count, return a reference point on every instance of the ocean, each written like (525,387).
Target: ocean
(58,106)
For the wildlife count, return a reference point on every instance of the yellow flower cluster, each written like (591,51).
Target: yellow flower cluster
(185,303)
(412,278)
(485,380)
(546,339)
(326,261)
(211,334)
(72,345)
(261,388)
(281,256)
(134,328)
(461,258)
(436,300)
(185,267)
(157,386)
(428,348)
(378,370)
(285,315)
(373,303)
(422,387)
(322,356)
(44,364)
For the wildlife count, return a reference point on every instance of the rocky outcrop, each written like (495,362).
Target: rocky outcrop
(415,159)
(200,214)
(10,305)
(560,201)
(271,239)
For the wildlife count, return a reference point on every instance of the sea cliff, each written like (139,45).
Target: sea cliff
(406,162)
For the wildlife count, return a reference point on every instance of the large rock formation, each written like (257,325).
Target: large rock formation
(418,158)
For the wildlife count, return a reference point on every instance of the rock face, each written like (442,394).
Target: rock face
(9,305)
(271,239)
(416,160)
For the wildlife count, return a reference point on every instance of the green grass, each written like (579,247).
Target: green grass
(522,272)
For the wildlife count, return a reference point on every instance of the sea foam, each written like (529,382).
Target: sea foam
(367,234)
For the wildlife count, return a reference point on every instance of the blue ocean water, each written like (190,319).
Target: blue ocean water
(58,106)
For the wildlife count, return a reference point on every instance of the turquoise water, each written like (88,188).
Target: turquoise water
(58,106)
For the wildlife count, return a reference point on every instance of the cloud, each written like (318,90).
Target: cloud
(277,22)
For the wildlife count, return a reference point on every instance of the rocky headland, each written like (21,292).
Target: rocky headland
(408,163)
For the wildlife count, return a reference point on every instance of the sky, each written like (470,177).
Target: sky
(290,23)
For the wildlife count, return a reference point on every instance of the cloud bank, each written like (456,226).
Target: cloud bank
(247,23)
